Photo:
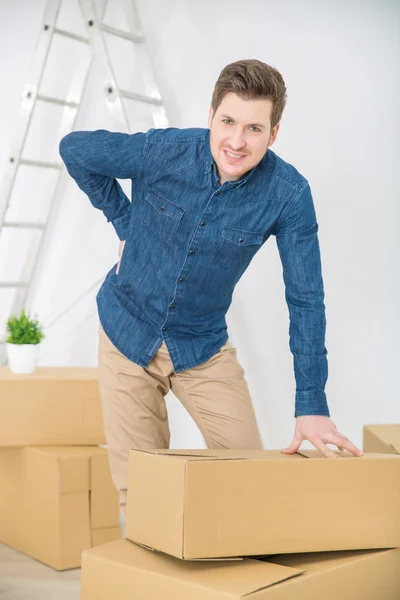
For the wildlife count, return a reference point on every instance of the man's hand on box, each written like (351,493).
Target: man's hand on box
(320,430)
(120,251)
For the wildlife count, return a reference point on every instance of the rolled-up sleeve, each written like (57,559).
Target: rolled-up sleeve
(95,160)
(297,240)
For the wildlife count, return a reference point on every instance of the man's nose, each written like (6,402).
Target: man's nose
(237,140)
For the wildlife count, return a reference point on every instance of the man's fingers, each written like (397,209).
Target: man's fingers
(342,442)
(323,448)
(341,435)
(294,446)
(120,251)
(336,432)
(292,449)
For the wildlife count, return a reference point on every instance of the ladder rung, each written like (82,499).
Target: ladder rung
(95,38)
(72,36)
(140,97)
(57,101)
(22,225)
(39,163)
(122,34)
(13,284)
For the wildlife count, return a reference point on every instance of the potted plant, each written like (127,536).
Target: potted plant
(23,341)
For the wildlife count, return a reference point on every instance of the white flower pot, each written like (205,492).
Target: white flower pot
(22,358)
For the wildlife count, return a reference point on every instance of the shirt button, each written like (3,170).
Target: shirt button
(202,224)
(162,207)
(172,306)
(217,193)
(181,280)
(191,252)
(164,329)
(241,241)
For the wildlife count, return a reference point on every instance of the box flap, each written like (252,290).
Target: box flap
(192,454)
(388,433)
(251,578)
(239,579)
(221,454)
(321,562)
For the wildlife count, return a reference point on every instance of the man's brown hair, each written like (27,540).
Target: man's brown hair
(252,80)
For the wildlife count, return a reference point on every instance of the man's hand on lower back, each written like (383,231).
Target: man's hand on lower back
(320,430)
(120,251)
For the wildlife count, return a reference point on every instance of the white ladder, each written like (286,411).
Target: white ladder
(97,30)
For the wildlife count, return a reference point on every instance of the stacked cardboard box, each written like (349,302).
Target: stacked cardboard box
(54,406)
(208,525)
(382,438)
(57,497)
(123,571)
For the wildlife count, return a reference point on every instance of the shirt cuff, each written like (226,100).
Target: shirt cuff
(311,403)
(121,226)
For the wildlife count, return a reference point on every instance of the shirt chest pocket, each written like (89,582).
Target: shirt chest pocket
(236,246)
(162,217)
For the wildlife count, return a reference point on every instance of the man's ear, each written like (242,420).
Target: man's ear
(274,133)
(210,116)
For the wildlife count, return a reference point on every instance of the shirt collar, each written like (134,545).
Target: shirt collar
(209,162)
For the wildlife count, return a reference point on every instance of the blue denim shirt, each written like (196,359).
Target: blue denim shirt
(188,242)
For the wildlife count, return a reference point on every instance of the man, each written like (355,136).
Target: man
(204,201)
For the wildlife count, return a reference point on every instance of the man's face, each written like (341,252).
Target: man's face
(240,134)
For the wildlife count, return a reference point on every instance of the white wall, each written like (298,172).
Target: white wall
(340,129)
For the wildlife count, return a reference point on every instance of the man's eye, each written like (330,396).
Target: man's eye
(254,128)
(225,121)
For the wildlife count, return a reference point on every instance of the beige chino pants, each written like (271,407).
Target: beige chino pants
(215,393)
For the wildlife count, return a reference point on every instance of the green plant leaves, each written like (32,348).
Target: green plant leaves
(23,330)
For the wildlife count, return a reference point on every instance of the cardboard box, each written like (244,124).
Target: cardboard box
(104,536)
(225,503)
(122,571)
(56,502)
(382,438)
(53,406)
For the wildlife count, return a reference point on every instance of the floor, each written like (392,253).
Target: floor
(23,578)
